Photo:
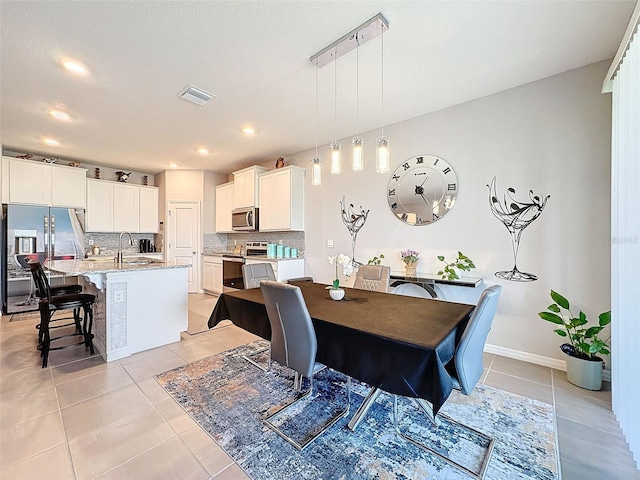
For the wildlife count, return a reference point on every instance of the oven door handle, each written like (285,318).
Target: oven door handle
(233,259)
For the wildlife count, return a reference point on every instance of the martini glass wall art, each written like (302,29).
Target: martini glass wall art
(515,216)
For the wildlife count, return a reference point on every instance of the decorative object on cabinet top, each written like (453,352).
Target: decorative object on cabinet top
(123,176)
(280,162)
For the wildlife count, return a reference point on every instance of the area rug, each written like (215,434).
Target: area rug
(227,397)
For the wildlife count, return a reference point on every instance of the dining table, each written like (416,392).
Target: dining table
(394,343)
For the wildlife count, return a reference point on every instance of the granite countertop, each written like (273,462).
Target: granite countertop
(85,267)
(252,257)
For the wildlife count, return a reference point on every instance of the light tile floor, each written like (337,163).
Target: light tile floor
(82,418)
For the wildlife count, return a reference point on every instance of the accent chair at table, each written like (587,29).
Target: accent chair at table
(294,345)
(411,290)
(466,369)
(254,273)
(373,277)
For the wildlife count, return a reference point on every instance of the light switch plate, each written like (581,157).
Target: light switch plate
(329,243)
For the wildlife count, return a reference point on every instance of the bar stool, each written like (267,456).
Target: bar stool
(50,304)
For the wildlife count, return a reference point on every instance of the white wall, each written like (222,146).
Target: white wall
(551,136)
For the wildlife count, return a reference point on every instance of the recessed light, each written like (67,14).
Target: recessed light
(248,130)
(173,165)
(60,115)
(51,141)
(203,151)
(74,66)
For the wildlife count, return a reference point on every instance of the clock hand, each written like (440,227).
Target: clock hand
(426,201)
(425,179)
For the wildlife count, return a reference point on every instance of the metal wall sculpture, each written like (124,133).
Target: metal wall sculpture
(354,222)
(515,216)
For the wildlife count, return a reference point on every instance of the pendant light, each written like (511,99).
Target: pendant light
(357,142)
(336,155)
(316,169)
(382,150)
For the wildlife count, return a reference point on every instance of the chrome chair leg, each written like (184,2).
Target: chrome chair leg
(364,408)
(256,364)
(301,445)
(485,461)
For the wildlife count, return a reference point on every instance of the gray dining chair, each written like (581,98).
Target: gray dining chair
(294,345)
(252,275)
(466,370)
(372,277)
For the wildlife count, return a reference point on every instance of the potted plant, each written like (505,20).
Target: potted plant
(461,262)
(410,259)
(584,366)
(376,260)
(335,292)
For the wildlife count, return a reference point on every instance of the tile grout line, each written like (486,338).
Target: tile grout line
(64,430)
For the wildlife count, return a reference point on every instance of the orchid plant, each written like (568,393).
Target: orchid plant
(409,256)
(347,268)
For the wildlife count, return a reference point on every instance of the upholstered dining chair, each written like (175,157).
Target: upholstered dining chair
(254,273)
(466,369)
(50,304)
(411,290)
(373,277)
(294,345)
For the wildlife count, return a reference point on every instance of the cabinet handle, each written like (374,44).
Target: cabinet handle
(194,252)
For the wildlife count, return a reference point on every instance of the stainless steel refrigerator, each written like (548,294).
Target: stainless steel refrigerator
(39,233)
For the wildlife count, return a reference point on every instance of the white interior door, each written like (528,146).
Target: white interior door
(184,235)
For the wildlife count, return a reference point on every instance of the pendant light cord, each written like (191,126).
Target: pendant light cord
(335,99)
(357,87)
(382,82)
(316,108)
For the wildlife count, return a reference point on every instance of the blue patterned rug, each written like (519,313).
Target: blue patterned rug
(227,397)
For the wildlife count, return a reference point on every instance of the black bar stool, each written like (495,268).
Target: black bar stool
(50,304)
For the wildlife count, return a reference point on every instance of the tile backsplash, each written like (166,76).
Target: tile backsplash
(218,242)
(109,243)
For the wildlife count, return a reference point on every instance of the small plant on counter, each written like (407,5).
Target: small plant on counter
(347,268)
(462,262)
(376,260)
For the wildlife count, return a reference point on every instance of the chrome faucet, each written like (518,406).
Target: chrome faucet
(119,257)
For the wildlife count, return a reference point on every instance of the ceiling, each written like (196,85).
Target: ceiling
(254,56)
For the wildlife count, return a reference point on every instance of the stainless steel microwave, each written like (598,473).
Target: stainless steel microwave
(243,219)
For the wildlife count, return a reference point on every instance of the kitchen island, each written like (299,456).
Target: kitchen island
(140,305)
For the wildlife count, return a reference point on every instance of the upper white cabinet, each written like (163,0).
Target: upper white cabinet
(224,206)
(245,187)
(281,195)
(148,209)
(121,207)
(38,183)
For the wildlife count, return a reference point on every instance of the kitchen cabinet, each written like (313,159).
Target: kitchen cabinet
(38,183)
(224,206)
(121,207)
(148,209)
(212,274)
(283,269)
(245,187)
(281,194)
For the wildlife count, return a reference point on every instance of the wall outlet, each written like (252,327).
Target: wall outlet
(91,241)
(329,243)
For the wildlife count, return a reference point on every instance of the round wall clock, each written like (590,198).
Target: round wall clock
(422,190)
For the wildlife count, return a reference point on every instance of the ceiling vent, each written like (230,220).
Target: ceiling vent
(195,95)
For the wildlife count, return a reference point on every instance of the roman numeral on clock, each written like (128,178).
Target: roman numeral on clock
(419,160)
(451,186)
(392,192)
(446,170)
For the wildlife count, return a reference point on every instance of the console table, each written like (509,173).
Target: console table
(429,280)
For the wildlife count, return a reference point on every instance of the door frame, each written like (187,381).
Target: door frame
(171,204)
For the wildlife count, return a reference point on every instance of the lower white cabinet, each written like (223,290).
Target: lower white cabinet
(283,269)
(212,274)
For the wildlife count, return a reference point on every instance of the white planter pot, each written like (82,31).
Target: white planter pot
(585,373)
(336,293)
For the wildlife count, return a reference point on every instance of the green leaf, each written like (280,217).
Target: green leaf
(592,331)
(441,258)
(560,300)
(605,351)
(596,346)
(584,347)
(582,317)
(554,308)
(560,332)
(578,322)
(605,318)
(440,272)
(551,317)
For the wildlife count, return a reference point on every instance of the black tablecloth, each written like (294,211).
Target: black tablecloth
(396,343)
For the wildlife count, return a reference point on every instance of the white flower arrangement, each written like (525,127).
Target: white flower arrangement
(347,268)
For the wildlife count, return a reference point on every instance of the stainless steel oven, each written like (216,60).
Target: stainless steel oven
(232,272)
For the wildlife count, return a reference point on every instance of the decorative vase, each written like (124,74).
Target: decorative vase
(336,293)
(585,373)
(410,269)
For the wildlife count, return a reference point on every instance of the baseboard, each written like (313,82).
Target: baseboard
(536,359)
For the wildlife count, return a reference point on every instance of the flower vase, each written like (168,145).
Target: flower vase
(410,269)
(336,293)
